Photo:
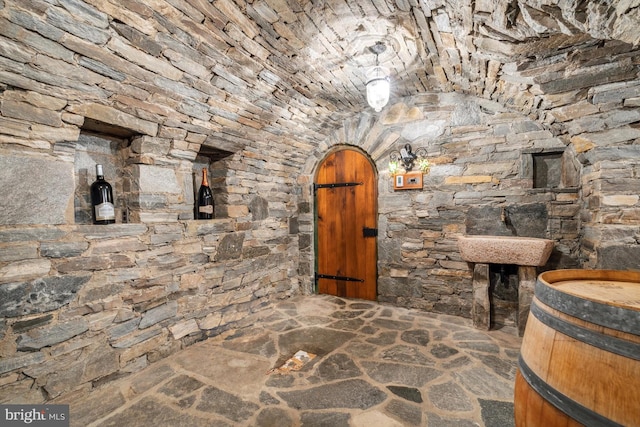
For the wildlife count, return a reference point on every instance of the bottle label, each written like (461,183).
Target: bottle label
(105,211)
(207,209)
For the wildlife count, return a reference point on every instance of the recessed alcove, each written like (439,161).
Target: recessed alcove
(210,158)
(105,149)
(549,168)
(145,190)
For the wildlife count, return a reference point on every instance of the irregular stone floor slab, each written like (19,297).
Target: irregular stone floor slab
(374,365)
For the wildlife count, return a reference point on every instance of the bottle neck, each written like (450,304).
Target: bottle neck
(99,172)
(205,181)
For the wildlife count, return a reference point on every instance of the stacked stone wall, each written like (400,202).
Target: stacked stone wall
(83,305)
(480,182)
(164,81)
(476,185)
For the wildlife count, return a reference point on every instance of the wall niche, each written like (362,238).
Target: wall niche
(211,159)
(149,184)
(550,168)
(107,150)
(153,182)
(547,170)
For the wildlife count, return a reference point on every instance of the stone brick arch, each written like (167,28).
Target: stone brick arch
(376,135)
(353,133)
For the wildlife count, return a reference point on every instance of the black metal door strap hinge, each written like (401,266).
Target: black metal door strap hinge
(343,278)
(335,185)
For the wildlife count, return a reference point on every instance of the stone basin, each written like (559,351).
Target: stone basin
(528,251)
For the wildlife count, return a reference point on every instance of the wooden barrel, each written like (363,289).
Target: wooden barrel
(580,358)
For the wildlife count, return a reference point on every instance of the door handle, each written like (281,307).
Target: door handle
(369,232)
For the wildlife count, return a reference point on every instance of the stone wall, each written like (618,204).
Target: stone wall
(149,95)
(589,98)
(83,305)
(481,182)
(477,150)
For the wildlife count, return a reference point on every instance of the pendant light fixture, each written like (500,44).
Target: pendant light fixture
(378,81)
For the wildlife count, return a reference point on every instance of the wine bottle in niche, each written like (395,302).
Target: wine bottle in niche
(102,200)
(205,198)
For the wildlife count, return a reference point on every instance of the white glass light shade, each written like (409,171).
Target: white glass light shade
(378,88)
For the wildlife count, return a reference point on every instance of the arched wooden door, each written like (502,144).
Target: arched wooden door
(346,196)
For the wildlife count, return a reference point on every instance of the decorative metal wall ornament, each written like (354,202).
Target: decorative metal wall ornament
(407,158)
(378,86)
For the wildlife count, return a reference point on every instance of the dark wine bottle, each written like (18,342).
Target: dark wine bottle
(205,198)
(102,200)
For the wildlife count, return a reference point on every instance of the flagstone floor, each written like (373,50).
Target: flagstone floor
(374,365)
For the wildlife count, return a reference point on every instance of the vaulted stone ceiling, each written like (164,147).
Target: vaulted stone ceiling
(238,71)
(308,58)
(490,48)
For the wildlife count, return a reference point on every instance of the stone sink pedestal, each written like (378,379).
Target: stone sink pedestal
(525,252)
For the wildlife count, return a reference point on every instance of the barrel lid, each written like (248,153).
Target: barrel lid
(609,298)
(611,292)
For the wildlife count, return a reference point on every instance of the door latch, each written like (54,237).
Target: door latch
(369,232)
